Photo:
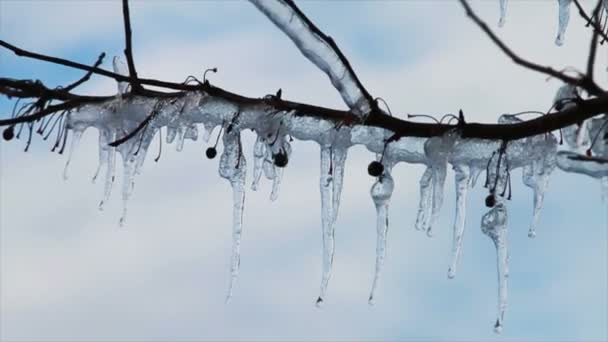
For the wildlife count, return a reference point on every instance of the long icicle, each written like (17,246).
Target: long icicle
(325,185)
(463,181)
(233,167)
(564,18)
(107,157)
(381,193)
(503,13)
(494,225)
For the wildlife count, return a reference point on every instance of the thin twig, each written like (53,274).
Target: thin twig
(588,84)
(87,76)
(133,79)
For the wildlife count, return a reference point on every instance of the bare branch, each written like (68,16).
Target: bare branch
(87,76)
(134,81)
(321,50)
(595,25)
(588,84)
(594,37)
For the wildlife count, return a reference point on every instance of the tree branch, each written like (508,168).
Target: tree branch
(588,84)
(321,50)
(133,79)
(595,25)
(593,46)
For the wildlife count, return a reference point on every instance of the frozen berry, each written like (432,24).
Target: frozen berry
(280,159)
(9,133)
(490,201)
(375,168)
(211,152)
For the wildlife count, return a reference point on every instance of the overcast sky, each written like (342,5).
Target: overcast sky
(69,273)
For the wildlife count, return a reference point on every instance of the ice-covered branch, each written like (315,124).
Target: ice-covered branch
(321,50)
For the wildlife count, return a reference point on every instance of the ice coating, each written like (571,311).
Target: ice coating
(494,225)
(573,162)
(317,50)
(233,168)
(575,136)
(503,13)
(327,219)
(381,193)
(564,17)
(120,67)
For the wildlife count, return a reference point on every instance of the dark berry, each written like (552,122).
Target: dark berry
(211,152)
(9,133)
(490,201)
(280,159)
(375,168)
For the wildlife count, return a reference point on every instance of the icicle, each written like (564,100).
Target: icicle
(503,13)
(338,161)
(233,167)
(191,133)
(381,193)
(179,145)
(171,133)
(107,155)
(259,153)
(437,150)
(494,225)
(327,219)
(208,129)
(276,183)
(75,140)
(475,172)
(426,188)
(128,182)
(463,179)
(564,17)
(536,177)
(268,166)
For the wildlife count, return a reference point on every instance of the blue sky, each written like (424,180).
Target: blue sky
(68,272)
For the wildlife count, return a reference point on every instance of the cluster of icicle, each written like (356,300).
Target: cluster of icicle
(563,17)
(182,117)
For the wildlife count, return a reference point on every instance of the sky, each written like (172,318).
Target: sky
(69,273)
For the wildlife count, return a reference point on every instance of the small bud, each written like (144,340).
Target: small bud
(375,169)
(211,152)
